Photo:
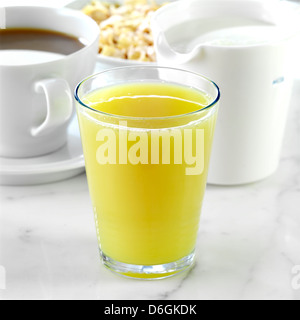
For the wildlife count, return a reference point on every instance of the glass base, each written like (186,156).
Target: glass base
(154,272)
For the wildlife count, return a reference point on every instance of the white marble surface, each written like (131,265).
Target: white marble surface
(249,240)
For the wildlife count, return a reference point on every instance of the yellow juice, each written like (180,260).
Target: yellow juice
(147,212)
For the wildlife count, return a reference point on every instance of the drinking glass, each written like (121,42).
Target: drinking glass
(147,134)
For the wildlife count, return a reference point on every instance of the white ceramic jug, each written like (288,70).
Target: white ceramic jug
(248,49)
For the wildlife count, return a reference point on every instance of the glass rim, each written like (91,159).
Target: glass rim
(211,105)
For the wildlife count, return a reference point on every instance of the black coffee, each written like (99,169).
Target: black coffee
(39,40)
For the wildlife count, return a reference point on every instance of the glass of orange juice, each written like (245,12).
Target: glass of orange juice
(147,135)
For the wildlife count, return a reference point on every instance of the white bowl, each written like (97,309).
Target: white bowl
(105,62)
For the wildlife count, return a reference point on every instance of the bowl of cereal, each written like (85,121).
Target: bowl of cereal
(125,32)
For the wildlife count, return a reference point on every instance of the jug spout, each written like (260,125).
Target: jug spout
(168,53)
(178,13)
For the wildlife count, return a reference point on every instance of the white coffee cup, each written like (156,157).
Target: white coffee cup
(36,88)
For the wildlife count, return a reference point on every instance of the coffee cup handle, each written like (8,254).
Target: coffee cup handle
(59,105)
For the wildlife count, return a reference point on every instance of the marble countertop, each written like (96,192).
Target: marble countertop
(248,245)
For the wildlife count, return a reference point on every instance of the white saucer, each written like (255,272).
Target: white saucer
(65,163)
